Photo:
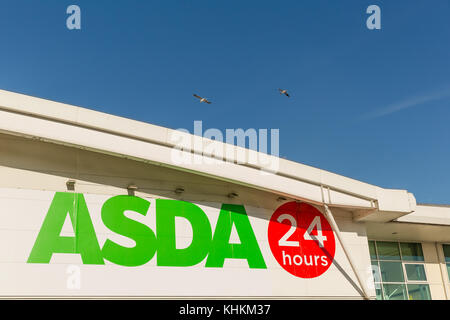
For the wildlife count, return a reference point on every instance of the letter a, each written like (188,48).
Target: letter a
(221,249)
(74,20)
(49,240)
(374,21)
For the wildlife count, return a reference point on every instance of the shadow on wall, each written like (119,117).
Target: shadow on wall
(102,173)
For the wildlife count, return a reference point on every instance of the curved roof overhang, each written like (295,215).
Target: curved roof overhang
(99,132)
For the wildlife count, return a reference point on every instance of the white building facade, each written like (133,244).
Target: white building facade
(94,205)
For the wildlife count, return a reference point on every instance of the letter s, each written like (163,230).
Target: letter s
(114,219)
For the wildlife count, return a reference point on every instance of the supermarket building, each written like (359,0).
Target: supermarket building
(93,205)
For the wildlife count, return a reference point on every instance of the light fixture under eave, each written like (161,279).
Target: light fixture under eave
(70,184)
(179,190)
(232,195)
(131,189)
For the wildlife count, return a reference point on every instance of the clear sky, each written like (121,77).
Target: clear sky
(373,105)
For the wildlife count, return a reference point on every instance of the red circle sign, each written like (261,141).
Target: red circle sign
(301,240)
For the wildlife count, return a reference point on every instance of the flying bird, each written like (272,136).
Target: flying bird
(284,92)
(202,99)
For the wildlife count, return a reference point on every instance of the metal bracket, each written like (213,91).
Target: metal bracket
(346,251)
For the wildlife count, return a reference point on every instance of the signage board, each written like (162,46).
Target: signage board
(71,244)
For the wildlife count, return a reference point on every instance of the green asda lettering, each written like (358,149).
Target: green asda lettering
(162,243)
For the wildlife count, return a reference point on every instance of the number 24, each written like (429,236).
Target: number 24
(284,242)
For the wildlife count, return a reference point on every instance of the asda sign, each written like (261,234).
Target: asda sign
(159,243)
(98,245)
(299,236)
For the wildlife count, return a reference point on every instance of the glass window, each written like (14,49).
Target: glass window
(391,271)
(378,291)
(415,272)
(446,252)
(448,270)
(396,276)
(373,254)
(388,250)
(411,251)
(419,292)
(446,248)
(394,291)
(376,271)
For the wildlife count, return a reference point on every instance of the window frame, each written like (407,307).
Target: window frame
(446,263)
(393,260)
(415,281)
(403,262)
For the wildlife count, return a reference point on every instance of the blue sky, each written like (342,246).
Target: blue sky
(373,105)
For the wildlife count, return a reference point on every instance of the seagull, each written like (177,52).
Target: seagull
(284,92)
(202,99)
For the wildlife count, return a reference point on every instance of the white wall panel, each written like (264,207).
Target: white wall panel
(23,211)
